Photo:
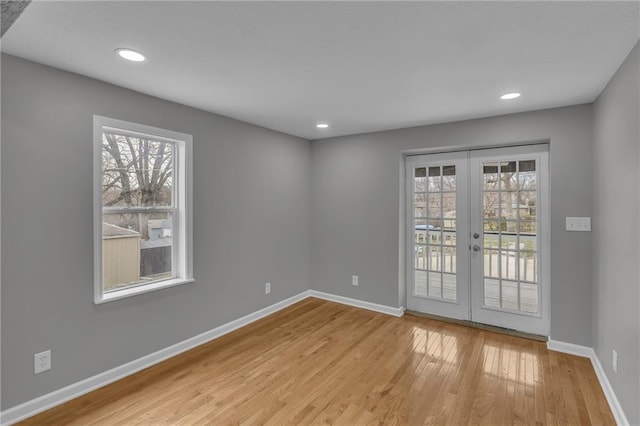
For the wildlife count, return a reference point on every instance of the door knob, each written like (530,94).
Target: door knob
(476,235)
(476,248)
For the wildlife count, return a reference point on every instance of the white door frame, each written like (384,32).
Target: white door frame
(458,309)
(540,149)
(530,323)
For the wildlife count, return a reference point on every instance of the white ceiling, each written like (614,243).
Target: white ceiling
(360,66)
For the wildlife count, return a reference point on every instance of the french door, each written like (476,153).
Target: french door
(477,236)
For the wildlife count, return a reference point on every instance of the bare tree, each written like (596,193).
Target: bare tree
(136,172)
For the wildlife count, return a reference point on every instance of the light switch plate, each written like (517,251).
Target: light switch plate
(580,224)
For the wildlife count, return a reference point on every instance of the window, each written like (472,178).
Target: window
(142,220)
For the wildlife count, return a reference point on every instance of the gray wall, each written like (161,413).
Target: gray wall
(616,255)
(251,226)
(355,206)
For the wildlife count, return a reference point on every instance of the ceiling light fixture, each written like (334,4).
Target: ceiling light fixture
(131,55)
(322,125)
(511,95)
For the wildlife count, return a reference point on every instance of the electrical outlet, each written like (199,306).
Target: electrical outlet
(267,288)
(614,361)
(354,280)
(42,362)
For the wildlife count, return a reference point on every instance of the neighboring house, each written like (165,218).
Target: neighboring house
(120,255)
(159,228)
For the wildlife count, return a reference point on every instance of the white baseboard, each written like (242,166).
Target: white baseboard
(396,312)
(587,352)
(570,348)
(50,400)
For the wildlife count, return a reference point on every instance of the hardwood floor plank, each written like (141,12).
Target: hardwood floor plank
(322,363)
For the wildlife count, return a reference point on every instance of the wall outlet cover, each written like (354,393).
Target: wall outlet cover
(42,362)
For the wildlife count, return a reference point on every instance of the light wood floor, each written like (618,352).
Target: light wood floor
(319,362)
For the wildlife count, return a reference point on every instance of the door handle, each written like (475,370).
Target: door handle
(476,235)
(476,248)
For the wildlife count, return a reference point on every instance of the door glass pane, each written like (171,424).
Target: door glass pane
(435,205)
(449,286)
(420,205)
(449,205)
(420,256)
(449,178)
(509,295)
(435,258)
(491,204)
(528,266)
(435,284)
(420,180)
(449,259)
(449,236)
(434,212)
(509,207)
(420,283)
(510,240)
(527,201)
(529,298)
(492,292)
(490,177)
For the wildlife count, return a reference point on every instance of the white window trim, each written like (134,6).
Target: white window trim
(184,203)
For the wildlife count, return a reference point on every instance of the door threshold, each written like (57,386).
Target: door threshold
(480,326)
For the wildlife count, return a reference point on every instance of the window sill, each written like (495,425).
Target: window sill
(147,288)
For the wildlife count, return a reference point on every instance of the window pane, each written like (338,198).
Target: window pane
(528,266)
(136,249)
(490,177)
(420,200)
(509,242)
(509,208)
(449,238)
(435,205)
(529,298)
(492,263)
(491,204)
(510,295)
(449,259)
(527,200)
(435,284)
(420,283)
(528,227)
(449,205)
(420,231)
(435,258)
(527,180)
(492,293)
(136,171)
(508,261)
(490,240)
(420,253)
(449,287)
(434,171)
(528,166)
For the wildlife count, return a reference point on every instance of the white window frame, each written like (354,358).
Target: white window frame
(182,259)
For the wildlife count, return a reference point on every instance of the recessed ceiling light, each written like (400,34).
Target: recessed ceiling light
(511,95)
(322,125)
(131,55)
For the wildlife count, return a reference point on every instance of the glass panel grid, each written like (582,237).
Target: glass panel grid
(510,265)
(434,212)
